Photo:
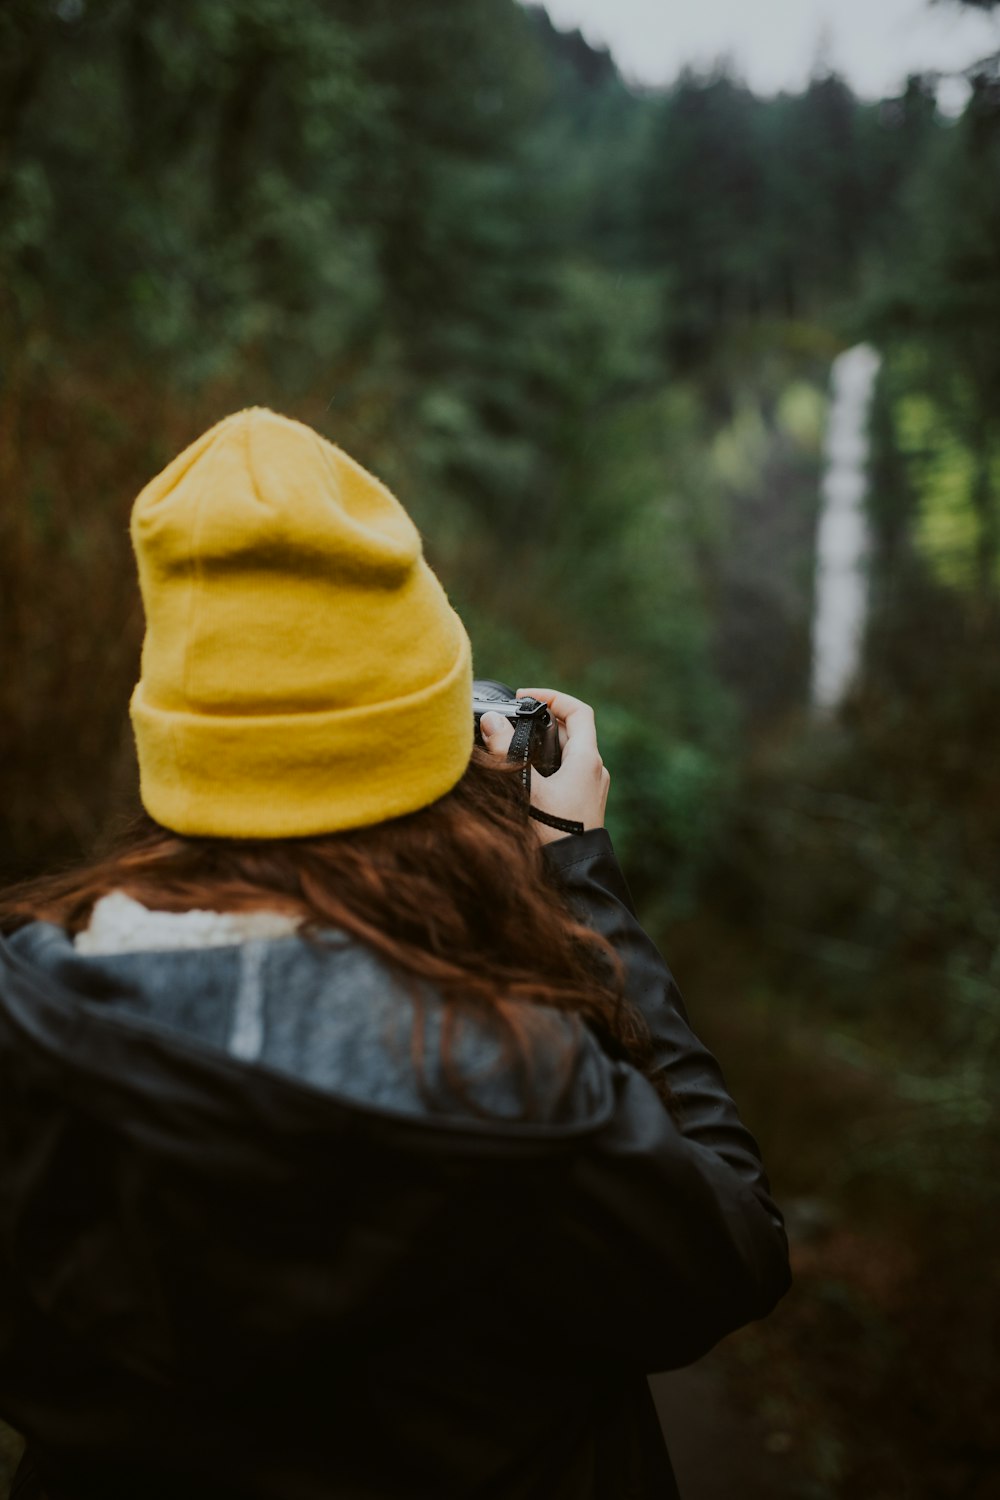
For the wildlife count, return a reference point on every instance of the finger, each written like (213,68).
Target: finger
(573,713)
(497,732)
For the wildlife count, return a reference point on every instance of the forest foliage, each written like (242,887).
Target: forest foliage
(585,334)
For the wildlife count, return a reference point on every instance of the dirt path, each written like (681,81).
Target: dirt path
(718,1453)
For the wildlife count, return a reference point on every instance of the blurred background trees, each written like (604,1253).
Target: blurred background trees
(585,334)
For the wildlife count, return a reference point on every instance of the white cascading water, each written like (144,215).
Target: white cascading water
(843,536)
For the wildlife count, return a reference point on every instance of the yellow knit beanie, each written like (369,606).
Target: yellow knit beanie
(302,670)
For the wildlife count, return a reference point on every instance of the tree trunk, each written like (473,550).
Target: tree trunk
(988,530)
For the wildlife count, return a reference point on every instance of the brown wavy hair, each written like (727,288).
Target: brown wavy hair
(457,895)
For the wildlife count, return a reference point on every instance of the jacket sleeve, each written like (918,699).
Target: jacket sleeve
(675,1212)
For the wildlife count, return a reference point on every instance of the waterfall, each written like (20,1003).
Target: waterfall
(842,541)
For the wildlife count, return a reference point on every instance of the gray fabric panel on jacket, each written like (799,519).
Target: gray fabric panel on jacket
(331,1013)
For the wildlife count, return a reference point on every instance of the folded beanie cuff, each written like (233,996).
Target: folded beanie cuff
(297,775)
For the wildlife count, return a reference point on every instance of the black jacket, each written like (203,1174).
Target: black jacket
(218,1280)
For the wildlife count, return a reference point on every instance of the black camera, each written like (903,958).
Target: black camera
(496,697)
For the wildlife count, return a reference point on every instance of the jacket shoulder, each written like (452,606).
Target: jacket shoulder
(328,1013)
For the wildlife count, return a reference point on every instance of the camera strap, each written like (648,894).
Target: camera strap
(519,751)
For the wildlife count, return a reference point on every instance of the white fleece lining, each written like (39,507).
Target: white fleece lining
(120,925)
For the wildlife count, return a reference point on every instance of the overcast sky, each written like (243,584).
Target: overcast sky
(774,44)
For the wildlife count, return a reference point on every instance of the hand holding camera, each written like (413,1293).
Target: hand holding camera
(577,790)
